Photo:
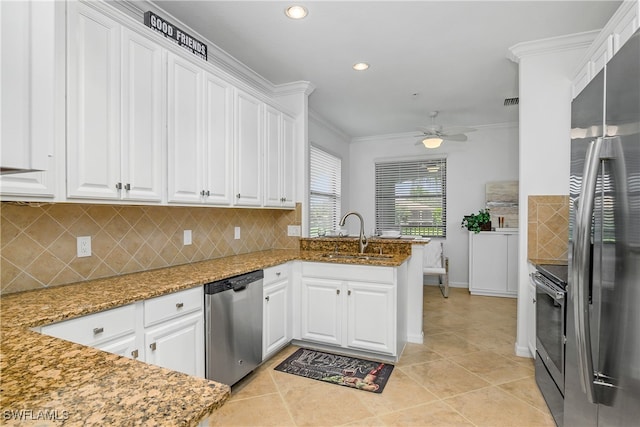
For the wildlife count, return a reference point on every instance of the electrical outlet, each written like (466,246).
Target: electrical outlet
(236,233)
(186,238)
(83,244)
(293,230)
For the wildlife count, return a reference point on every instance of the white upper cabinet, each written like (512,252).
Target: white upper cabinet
(93,121)
(200,135)
(27,58)
(218,141)
(142,123)
(248,150)
(279,165)
(184,127)
(114,141)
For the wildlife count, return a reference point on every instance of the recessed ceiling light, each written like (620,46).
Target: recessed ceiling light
(360,66)
(295,12)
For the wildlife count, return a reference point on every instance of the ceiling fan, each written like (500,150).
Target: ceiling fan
(433,136)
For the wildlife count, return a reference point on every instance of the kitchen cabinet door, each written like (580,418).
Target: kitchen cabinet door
(493,264)
(321,310)
(288,165)
(272,156)
(248,150)
(93,104)
(125,347)
(28,78)
(184,127)
(275,317)
(178,345)
(371,320)
(218,141)
(142,118)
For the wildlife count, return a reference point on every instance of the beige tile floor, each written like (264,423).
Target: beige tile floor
(465,374)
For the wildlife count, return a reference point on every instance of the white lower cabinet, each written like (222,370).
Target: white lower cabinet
(167,331)
(276,332)
(350,306)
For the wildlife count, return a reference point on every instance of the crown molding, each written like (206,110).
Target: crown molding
(294,88)
(551,45)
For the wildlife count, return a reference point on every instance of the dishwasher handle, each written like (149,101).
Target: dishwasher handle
(235,283)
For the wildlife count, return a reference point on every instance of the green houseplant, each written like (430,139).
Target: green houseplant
(477,222)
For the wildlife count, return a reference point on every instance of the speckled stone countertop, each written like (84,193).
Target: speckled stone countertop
(78,385)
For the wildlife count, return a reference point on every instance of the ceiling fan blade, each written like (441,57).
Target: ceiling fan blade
(425,130)
(456,137)
(457,129)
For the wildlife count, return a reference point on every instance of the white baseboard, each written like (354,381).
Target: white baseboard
(522,351)
(415,339)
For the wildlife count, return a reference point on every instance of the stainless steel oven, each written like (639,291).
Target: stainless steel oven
(550,283)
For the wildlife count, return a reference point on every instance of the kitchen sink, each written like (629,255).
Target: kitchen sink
(364,257)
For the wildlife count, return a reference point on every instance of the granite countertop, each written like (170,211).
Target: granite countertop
(47,376)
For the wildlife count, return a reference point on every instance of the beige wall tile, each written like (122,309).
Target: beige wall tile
(39,241)
(548,227)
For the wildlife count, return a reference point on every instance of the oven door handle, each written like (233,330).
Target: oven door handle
(557,295)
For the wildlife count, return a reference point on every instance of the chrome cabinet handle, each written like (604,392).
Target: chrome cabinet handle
(127,187)
(152,346)
(179,304)
(267,298)
(134,354)
(238,196)
(337,291)
(278,273)
(119,186)
(97,331)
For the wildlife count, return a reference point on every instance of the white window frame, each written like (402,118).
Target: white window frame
(325,191)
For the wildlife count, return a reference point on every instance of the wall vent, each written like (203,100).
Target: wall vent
(511,101)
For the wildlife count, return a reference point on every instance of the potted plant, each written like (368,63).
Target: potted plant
(477,222)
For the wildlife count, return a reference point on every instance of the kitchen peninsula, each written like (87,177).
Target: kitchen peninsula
(86,385)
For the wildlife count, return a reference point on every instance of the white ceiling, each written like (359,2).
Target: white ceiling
(451,54)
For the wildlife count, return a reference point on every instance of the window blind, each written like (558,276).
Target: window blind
(411,197)
(324,191)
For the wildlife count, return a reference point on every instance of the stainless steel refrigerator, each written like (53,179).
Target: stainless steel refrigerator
(602,365)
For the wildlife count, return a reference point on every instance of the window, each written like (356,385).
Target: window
(411,197)
(324,197)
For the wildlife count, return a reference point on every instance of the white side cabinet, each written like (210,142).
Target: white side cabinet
(167,331)
(114,114)
(493,263)
(352,306)
(276,332)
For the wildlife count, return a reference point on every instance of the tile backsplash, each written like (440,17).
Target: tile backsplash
(548,228)
(38,241)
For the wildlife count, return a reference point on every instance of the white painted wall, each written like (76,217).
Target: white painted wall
(490,154)
(545,72)
(324,135)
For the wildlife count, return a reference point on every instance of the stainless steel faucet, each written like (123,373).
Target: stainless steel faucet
(362,240)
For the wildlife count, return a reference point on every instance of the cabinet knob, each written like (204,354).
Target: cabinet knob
(238,196)
(134,354)
(97,331)
(208,193)
(349,292)
(337,291)
(267,298)
(278,273)
(179,304)
(152,346)
(127,187)
(203,193)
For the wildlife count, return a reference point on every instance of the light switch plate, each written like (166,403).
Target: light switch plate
(236,233)
(83,248)
(187,237)
(293,230)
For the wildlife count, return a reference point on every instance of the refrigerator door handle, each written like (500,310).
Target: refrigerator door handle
(581,268)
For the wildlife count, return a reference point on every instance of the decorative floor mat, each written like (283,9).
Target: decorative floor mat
(333,368)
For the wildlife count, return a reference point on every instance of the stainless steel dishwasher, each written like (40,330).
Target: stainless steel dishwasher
(233,328)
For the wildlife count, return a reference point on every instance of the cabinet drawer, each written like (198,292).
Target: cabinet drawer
(170,306)
(95,328)
(273,274)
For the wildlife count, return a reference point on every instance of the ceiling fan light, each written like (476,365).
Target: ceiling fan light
(432,142)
